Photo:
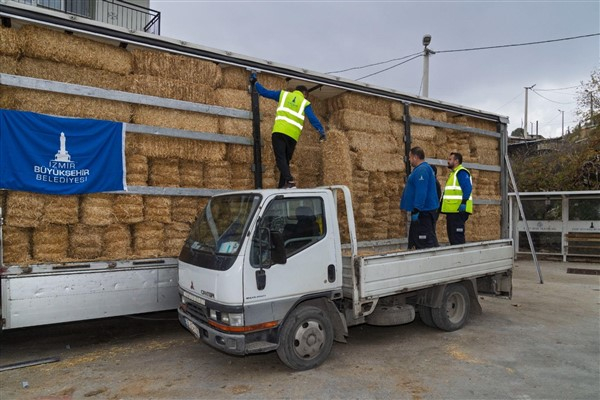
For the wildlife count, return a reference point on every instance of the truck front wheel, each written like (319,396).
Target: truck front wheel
(306,338)
(454,312)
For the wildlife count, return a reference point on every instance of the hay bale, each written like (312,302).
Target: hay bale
(171,88)
(360,183)
(485,149)
(169,147)
(117,242)
(428,113)
(176,119)
(233,98)
(191,174)
(484,223)
(66,105)
(16,244)
(175,66)
(76,74)
(377,183)
(360,121)
(423,133)
(48,44)
(164,172)
(372,142)
(137,169)
(184,209)
(97,209)
(370,161)
(86,242)
(397,111)
(50,243)
(9,42)
(486,185)
(234,78)
(235,126)
(335,154)
(175,235)
(8,65)
(360,102)
(157,209)
(148,239)
(61,210)
(239,153)
(128,208)
(217,175)
(24,210)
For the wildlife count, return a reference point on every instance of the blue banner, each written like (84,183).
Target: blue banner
(44,154)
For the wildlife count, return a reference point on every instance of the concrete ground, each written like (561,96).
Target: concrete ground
(542,344)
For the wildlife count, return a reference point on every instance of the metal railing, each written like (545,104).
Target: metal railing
(115,12)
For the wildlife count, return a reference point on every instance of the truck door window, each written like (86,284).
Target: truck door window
(300,220)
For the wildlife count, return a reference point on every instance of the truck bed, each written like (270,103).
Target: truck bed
(380,275)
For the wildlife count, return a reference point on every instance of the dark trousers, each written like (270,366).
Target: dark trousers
(283,147)
(421,234)
(455,226)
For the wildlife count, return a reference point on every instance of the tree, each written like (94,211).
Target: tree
(519,132)
(588,100)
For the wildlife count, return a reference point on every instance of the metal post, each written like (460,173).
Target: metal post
(257,166)
(563,123)
(525,136)
(427,52)
(514,183)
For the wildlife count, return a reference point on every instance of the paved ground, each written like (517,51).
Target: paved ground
(542,344)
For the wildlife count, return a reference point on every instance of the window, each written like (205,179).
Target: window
(82,8)
(300,221)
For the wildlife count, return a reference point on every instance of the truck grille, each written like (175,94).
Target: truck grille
(197,311)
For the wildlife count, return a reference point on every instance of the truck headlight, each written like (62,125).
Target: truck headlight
(236,319)
(231,319)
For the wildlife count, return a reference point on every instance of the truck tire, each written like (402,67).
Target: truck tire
(306,338)
(425,315)
(454,312)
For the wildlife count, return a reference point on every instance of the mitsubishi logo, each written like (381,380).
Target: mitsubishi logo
(192,285)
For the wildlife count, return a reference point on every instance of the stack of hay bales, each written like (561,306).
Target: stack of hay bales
(368,157)
(365,150)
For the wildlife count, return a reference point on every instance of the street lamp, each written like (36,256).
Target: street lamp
(427,51)
(526,101)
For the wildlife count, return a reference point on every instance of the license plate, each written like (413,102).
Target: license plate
(193,328)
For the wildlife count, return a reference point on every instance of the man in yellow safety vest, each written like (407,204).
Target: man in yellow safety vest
(457,201)
(289,119)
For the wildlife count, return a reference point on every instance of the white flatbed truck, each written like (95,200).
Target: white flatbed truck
(265,270)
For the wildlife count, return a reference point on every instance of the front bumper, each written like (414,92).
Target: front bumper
(227,342)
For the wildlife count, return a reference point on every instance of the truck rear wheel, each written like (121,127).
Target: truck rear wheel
(306,338)
(454,312)
(425,315)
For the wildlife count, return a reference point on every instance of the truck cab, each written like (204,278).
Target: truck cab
(250,259)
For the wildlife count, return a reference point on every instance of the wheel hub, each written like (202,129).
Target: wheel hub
(309,339)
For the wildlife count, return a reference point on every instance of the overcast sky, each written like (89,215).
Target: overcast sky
(336,35)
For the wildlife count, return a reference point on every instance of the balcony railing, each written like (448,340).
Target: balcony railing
(115,12)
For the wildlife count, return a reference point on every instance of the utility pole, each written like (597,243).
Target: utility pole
(563,123)
(526,101)
(427,51)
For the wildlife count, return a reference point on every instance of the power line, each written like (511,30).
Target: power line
(510,101)
(550,90)
(374,64)
(419,54)
(518,44)
(557,102)
(388,68)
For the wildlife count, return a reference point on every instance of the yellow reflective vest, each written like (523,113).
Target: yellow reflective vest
(289,118)
(453,194)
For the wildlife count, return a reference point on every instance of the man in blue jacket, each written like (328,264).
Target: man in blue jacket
(289,120)
(420,199)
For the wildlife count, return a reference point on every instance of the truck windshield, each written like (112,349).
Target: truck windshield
(216,236)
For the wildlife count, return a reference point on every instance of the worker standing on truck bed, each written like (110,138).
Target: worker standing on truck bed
(289,120)
(420,199)
(457,201)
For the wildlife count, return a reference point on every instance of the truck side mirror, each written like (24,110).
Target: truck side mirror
(278,255)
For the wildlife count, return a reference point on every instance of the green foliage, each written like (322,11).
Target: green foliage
(588,100)
(519,132)
(571,165)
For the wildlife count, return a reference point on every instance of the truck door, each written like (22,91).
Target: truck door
(310,249)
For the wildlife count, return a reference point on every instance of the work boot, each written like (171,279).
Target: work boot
(290,185)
